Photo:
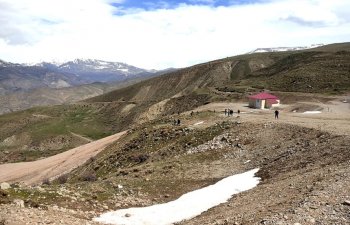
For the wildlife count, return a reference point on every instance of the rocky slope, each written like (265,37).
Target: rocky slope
(304,173)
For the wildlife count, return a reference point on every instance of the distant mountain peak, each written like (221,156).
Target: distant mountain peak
(3,62)
(283,49)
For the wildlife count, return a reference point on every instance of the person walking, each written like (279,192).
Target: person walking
(276,114)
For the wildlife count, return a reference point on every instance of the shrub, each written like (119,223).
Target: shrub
(62,179)
(89,176)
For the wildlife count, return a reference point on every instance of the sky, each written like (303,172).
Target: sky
(161,34)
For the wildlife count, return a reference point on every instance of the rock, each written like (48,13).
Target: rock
(5,186)
(312,220)
(19,203)
(120,186)
(127,215)
(40,189)
(346,202)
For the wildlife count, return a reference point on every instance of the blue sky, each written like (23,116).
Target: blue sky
(162,34)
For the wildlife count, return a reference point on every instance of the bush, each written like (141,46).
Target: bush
(62,179)
(89,176)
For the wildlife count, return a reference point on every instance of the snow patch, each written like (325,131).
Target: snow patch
(187,206)
(201,122)
(283,49)
(312,112)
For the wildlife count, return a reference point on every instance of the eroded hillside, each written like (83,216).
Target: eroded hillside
(304,171)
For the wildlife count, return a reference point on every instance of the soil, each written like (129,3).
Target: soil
(37,171)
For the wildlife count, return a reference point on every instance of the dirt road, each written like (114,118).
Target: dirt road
(35,172)
(334,116)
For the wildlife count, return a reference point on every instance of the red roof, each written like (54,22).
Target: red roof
(263,95)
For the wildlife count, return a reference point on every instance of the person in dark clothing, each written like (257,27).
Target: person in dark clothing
(238,111)
(231,112)
(225,111)
(276,114)
(178,122)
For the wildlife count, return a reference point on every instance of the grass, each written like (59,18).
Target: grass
(45,131)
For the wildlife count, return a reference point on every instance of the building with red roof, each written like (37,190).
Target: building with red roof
(263,100)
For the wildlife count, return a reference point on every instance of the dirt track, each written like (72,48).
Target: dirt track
(334,116)
(35,172)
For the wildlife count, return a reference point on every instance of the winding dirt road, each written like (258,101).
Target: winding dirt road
(37,171)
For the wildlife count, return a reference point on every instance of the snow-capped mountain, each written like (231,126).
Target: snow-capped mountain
(80,65)
(19,77)
(284,49)
(7,64)
(93,70)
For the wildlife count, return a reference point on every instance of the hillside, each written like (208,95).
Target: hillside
(304,170)
(21,100)
(325,69)
(230,79)
(302,157)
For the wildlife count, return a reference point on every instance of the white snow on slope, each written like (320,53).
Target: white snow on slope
(187,206)
(283,49)
(312,112)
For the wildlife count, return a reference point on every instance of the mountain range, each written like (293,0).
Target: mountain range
(93,70)
(22,77)
(47,83)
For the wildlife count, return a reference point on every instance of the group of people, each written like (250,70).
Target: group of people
(177,122)
(229,112)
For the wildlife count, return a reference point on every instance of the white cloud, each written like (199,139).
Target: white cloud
(35,30)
